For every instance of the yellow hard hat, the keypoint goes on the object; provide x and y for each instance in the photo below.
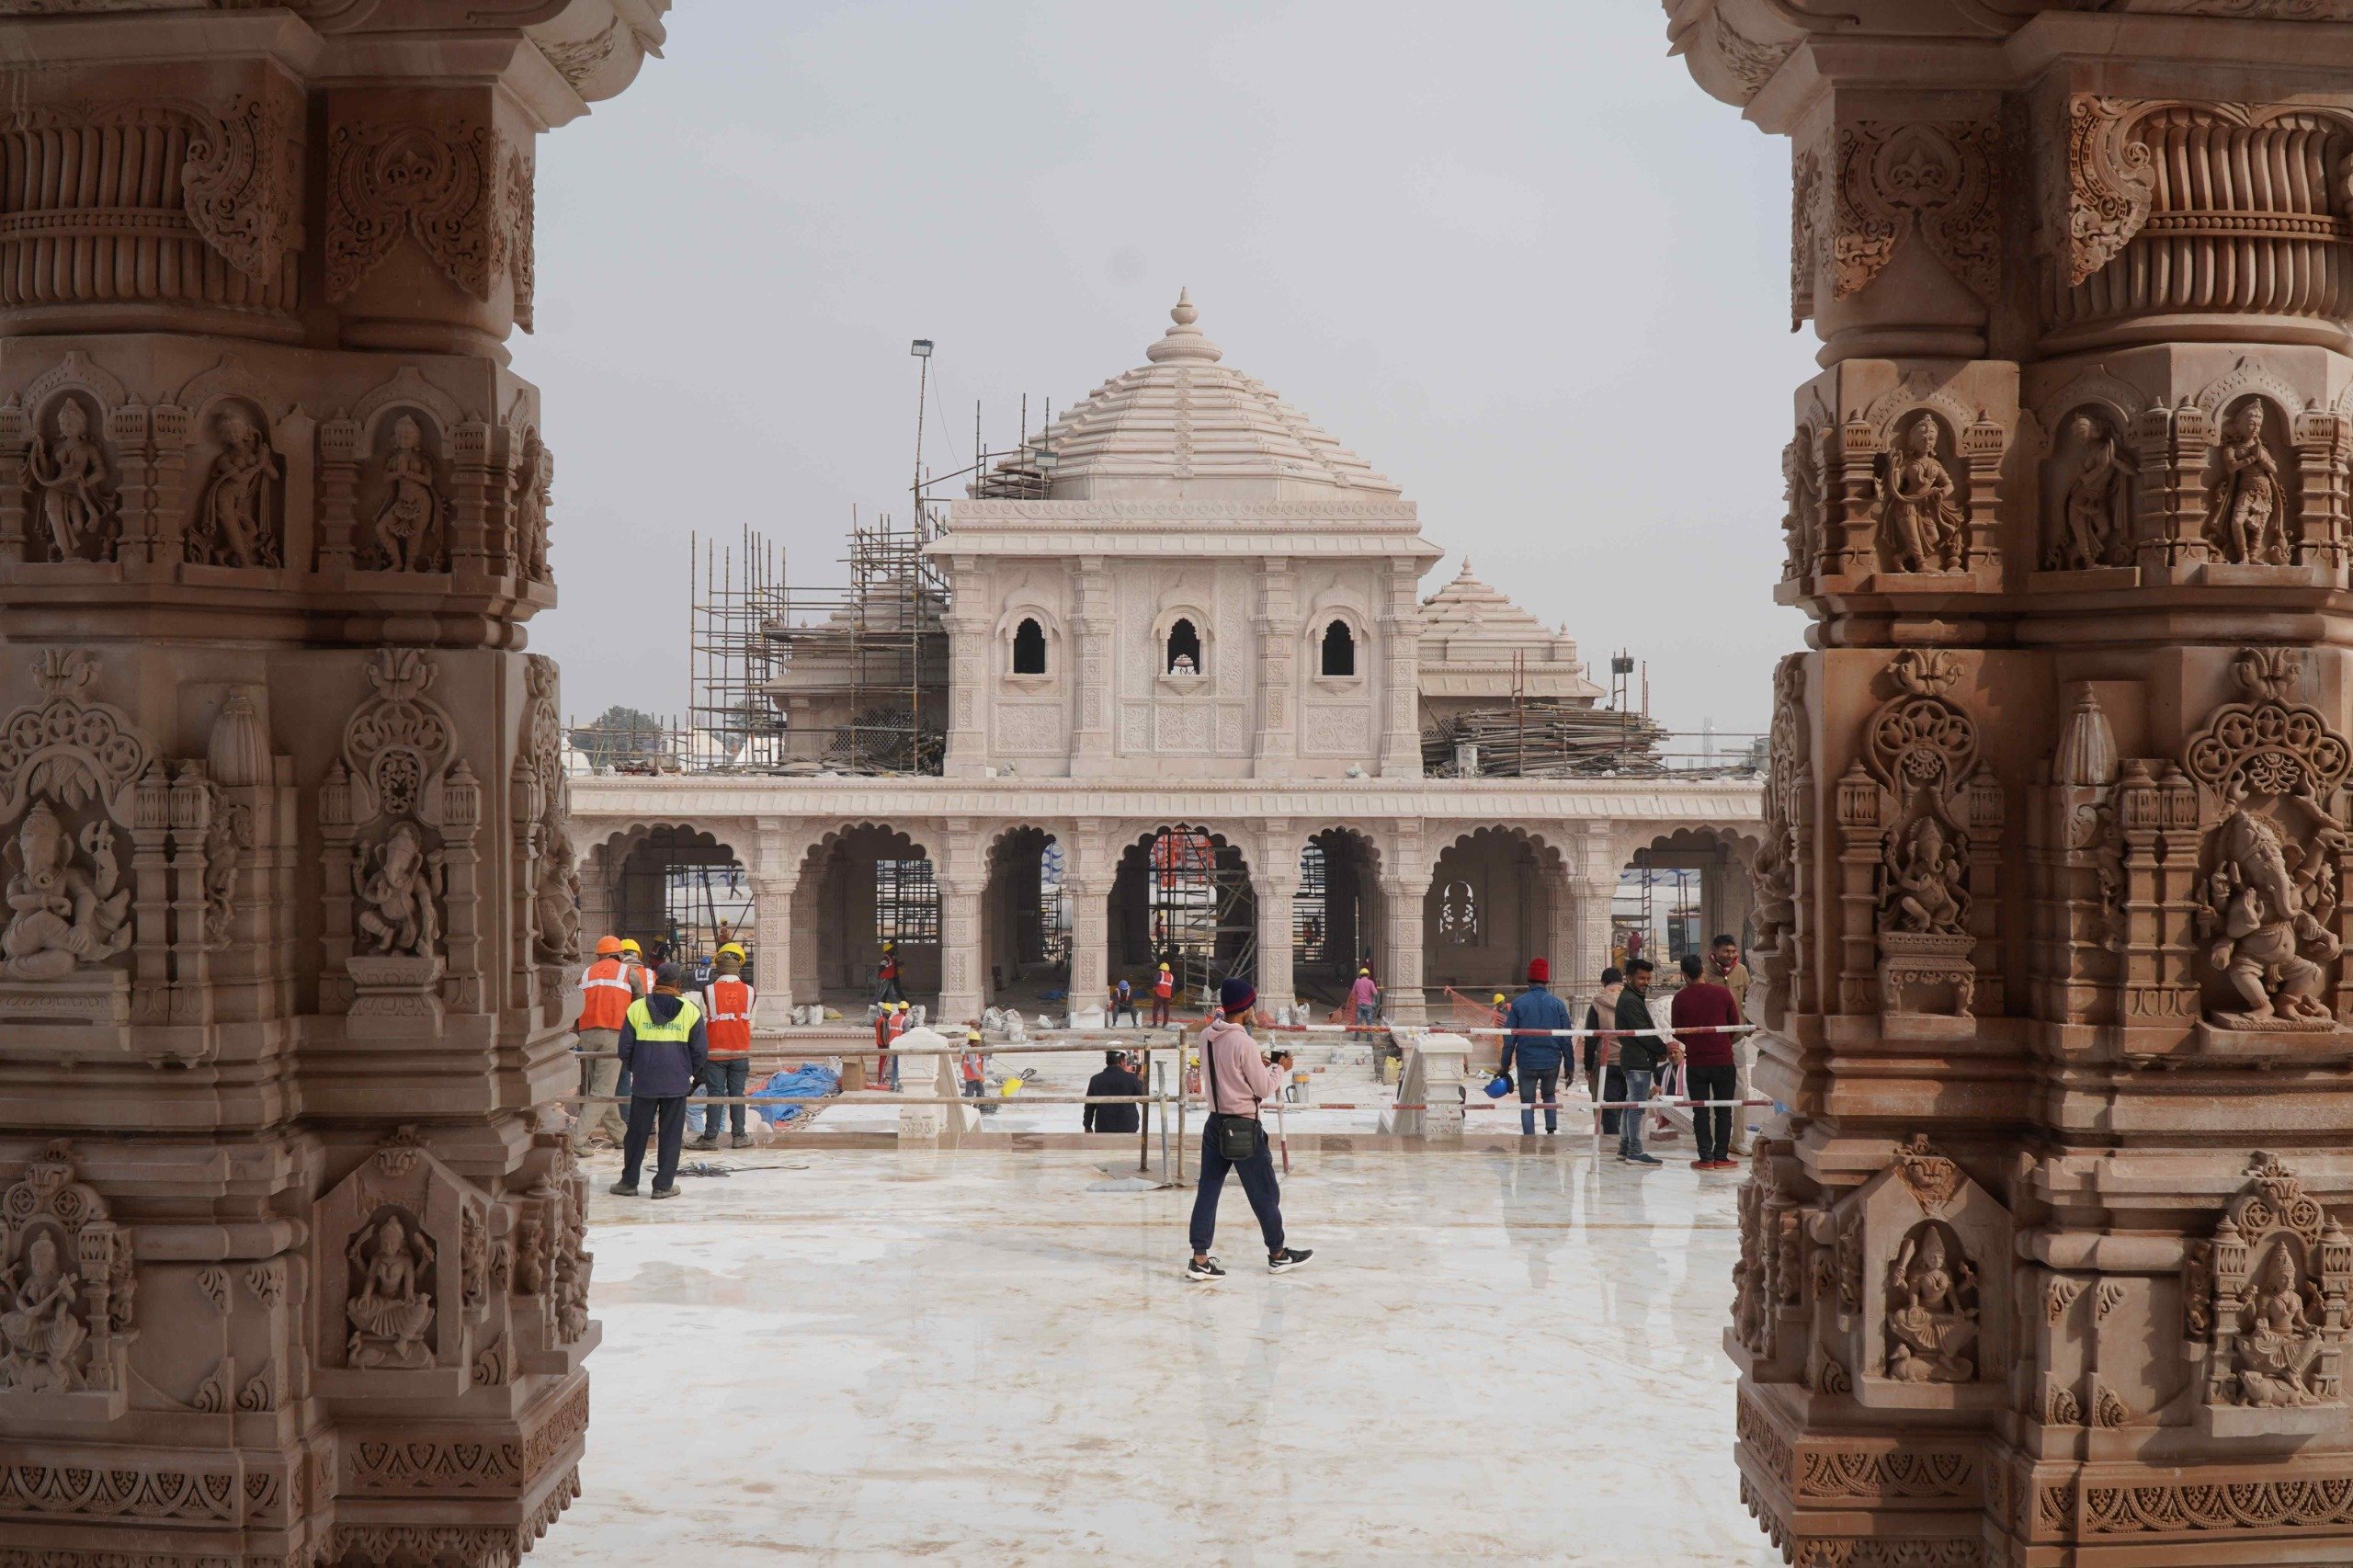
(629, 945)
(1364, 972)
(1163, 969)
(1499, 995)
(732, 950)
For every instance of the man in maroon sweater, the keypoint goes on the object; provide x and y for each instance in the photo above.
(1697, 1016)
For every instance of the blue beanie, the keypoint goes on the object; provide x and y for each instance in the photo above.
(1235, 994)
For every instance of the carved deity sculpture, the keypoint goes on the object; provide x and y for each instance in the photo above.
(1920, 522)
(1924, 892)
(232, 525)
(41, 1338)
(224, 842)
(1932, 1313)
(76, 501)
(396, 885)
(1798, 524)
(2095, 520)
(392, 1309)
(2262, 940)
(2276, 1353)
(2246, 510)
(61, 916)
(404, 522)
(531, 499)
(555, 901)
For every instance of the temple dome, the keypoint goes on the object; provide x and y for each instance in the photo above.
(1470, 633)
(1184, 427)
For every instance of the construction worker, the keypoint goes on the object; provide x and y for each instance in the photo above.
(900, 1020)
(1123, 1000)
(664, 1040)
(641, 983)
(970, 1068)
(726, 1004)
(605, 993)
(1164, 989)
(886, 976)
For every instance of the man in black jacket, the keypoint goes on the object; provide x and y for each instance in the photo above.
(664, 1048)
(1115, 1079)
(1643, 1050)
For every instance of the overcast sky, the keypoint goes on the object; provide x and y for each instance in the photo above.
(1508, 253)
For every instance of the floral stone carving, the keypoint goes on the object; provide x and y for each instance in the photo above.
(65, 1285)
(2265, 1304)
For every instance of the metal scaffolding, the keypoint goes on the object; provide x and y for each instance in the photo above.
(859, 672)
(732, 724)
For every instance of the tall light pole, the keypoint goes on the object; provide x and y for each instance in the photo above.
(921, 349)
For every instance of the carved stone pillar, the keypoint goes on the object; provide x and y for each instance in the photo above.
(1090, 748)
(969, 672)
(963, 878)
(772, 1000)
(295, 786)
(1275, 751)
(2048, 1262)
(1401, 969)
(1274, 894)
(1090, 936)
(1401, 696)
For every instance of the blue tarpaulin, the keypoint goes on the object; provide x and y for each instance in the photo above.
(808, 1080)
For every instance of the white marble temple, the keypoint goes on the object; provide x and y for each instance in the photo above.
(869, 1357)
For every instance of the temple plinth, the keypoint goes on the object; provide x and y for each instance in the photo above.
(2048, 1265)
(292, 1252)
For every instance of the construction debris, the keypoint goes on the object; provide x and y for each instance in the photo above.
(1543, 738)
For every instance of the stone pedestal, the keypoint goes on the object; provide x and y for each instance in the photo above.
(284, 793)
(2048, 1267)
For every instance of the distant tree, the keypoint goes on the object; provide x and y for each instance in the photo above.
(618, 732)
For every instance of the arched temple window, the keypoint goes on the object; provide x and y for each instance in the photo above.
(1184, 656)
(1030, 648)
(1339, 650)
(1458, 913)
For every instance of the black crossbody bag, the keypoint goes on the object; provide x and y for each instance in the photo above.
(1237, 1136)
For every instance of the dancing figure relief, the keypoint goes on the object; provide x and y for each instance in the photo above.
(411, 507)
(2096, 515)
(232, 524)
(2246, 509)
(62, 917)
(41, 1336)
(2261, 937)
(1932, 1311)
(397, 884)
(1922, 525)
(77, 502)
(392, 1310)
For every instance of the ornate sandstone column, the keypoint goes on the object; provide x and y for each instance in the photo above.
(2048, 1265)
(290, 943)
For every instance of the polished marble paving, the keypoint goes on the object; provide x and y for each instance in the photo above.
(869, 1357)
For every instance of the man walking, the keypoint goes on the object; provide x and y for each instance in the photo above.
(664, 1045)
(1237, 1079)
(886, 976)
(727, 1010)
(605, 993)
(1115, 1079)
(1164, 989)
(1700, 1013)
(1640, 1056)
(1364, 1001)
(1530, 1022)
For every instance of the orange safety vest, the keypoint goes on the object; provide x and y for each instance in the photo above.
(606, 991)
(1164, 986)
(728, 1004)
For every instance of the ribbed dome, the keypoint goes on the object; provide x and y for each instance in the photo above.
(1184, 427)
(1470, 632)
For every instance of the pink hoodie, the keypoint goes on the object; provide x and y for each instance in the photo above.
(1237, 1074)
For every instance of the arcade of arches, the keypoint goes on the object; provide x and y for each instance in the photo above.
(986, 909)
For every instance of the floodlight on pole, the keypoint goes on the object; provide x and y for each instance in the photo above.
(920, 348)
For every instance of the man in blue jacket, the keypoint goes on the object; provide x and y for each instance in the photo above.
(1538, 1054)
(664, 1048)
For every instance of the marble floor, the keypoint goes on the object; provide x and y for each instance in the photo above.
(869, 1357)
